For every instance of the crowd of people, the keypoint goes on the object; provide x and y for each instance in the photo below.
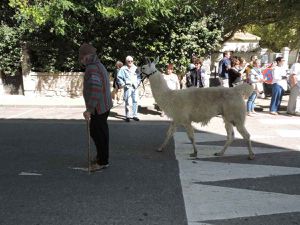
(232, 71)
(126, 79)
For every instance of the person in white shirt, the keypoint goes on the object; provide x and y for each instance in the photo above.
(171, 80)
(278, 85)
(293, 107)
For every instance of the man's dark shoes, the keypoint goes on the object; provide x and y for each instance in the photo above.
(136, 119)
(127, 120)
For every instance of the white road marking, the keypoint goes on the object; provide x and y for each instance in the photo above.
(202, 171)
(79, 168)
(29, 174)
(207, 202)
(20, 114)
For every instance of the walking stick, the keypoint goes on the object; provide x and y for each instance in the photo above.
(89, 145)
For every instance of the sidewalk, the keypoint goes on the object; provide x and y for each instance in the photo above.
(34, 101)
(19, 106)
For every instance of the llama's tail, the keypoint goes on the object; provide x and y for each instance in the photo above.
(244, 89)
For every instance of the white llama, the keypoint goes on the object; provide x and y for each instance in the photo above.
(200, 105)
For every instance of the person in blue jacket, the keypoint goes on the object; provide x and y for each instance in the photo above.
(129, 78)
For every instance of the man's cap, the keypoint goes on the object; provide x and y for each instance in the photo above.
(86, 49)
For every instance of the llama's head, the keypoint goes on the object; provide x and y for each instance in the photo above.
(149, 69)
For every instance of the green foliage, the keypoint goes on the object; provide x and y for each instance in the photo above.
(275, 36)
(10, 50)
(53, 53)
(171, 29)
(159, 28)
(42, 12)
(177, 44)
(236, 14)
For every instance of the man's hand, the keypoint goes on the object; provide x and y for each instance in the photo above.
(87, 115)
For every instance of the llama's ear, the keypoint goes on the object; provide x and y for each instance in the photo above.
(156, 60)
(148, 61)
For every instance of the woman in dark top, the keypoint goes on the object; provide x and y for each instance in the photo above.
(233, 73)
(117, 91)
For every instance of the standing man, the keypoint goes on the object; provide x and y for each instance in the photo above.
(278, 85)
(294, 98)
(224, 66)
(98, 102)
(129, 78)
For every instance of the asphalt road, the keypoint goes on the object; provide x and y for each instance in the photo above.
(41, 181)
(140, 187)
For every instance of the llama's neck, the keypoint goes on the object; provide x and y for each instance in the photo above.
(159, 87)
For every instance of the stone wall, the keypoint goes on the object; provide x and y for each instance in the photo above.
(53, 84)
(64, 85)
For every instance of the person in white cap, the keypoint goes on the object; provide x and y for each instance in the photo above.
(129, 78)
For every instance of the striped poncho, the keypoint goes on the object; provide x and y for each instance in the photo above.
(96, 87)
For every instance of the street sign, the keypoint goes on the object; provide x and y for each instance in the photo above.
(268, 75)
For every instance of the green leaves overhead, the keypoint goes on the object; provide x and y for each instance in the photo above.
(172, 29)
(10, 50)
(39, 13)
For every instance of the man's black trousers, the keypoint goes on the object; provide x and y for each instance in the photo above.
(100, 135)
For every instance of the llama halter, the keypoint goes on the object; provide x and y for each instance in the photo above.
(148, 75)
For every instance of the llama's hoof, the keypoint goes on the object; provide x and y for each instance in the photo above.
(193, 155)
(218, 154)
(159, 150)
(251, 157)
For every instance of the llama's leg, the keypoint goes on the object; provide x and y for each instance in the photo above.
(246, 136)
(190, 132)
(230, 136)
(170, 132)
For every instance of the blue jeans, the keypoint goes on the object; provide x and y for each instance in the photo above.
(131, 93)
(277, 93)
(250, 102)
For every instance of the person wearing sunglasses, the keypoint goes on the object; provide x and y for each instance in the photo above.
(129, 78)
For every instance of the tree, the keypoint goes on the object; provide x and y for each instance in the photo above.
(10, 44)
(10, 49)
(237, 14)
(116, 28)
(55, 29)
(275, 36)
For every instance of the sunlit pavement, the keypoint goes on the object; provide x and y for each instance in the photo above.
(207, 190)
